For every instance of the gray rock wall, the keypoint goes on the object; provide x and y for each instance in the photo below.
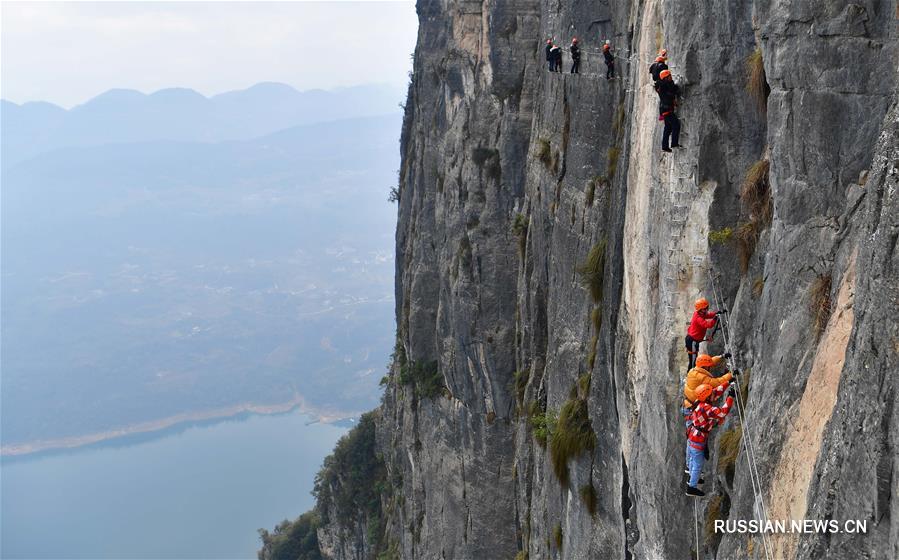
(511, 175)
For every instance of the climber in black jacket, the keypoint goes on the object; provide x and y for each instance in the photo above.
(661, 63)
(549, 56)
(668, 93)
(556, 53)
(575, 57)
(610, 61)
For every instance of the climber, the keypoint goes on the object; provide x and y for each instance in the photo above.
(610, 60)
(575, 56)
(702, 320)
(656, 67)
(668, 92)
(549, 57)
(701, 375)
(703, 418)
(556, 53)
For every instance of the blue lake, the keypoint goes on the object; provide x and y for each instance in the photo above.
(200, 492)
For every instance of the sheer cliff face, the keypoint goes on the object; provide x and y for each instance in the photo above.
(515, 181)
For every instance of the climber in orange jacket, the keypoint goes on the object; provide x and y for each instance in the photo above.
(704, 417)
(702, 320)
(701, 375)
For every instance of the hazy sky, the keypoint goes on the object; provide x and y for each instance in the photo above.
(68, 52)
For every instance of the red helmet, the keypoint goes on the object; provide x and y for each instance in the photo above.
(701, 303)
(606, 47)
(574, 40)
(702, 392)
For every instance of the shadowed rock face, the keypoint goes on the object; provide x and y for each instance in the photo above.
(511, 176)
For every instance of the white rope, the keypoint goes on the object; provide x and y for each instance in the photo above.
(741, 406)
(754, 476)
(696, 525)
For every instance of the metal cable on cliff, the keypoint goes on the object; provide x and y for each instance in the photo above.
(755, 479)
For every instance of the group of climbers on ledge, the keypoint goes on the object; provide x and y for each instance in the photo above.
(554, 57)
(701, 391)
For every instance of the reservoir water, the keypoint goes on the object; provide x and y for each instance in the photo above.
(200, 492)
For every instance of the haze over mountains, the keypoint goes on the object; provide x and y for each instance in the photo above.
(123, 115)
(170, 253)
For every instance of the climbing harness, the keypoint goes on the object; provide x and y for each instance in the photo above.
(759, 505)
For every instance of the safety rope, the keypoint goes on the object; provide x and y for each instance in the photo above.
(754, 477)
(696, 526)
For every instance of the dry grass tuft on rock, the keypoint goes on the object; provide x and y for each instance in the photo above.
(544, 153)
(758, 285)
(755, 192)
(820, 303)
(583, 384)
(728, 450)
(612, 166)
(591, 271)
(747, 239)
(572, 436)
(596, 319)
(756, 82)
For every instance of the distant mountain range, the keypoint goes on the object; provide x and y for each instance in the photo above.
(153, 279)
(171, 254)
(123, 115)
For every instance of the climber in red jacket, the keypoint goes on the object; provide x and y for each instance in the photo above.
(703, 319)
(704, 417)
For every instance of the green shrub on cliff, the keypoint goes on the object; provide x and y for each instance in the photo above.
(352, 477)
(295, 540)
(425, 377)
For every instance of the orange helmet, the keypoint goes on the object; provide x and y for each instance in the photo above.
(660, 58)
(702, 392)
(704, 361)
(665, 74)
(701, 303)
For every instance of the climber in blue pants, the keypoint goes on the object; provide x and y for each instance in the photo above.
(704, 417)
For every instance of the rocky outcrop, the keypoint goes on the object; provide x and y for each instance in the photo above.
(548, 255)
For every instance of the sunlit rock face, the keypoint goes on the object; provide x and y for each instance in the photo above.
(548, 254)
